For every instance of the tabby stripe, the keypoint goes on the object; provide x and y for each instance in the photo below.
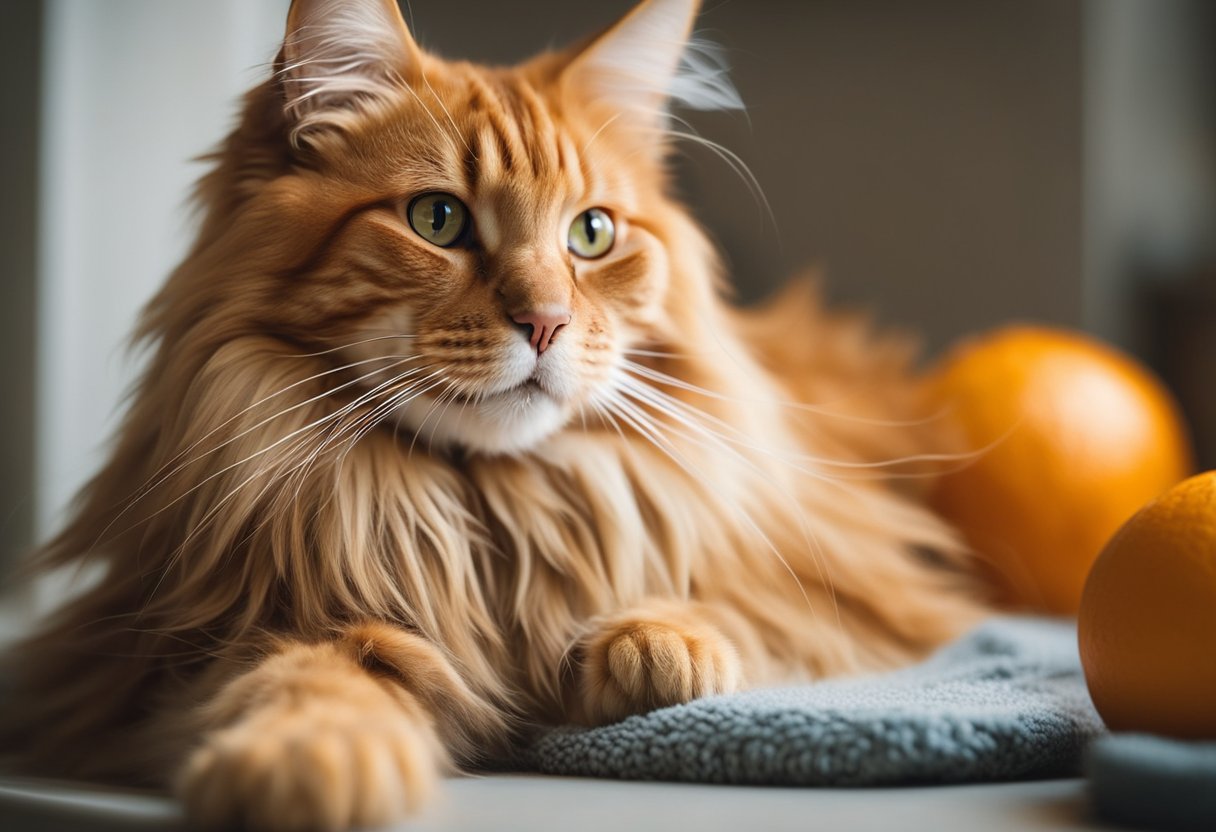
(544, 134)
(500, 127)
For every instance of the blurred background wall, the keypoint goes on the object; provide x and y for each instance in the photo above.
(949, 164)
(20, 96)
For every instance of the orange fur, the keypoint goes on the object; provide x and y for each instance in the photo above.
(316, 597)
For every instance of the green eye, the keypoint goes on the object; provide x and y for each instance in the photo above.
(592, 233)
(438, 218)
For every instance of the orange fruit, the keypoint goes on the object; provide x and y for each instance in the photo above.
(1070, 437)
(1147, 625)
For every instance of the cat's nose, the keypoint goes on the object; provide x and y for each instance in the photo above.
(543, 325)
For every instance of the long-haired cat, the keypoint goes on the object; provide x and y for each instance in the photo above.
(448, 433)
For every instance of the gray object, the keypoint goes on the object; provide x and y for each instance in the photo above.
(1008, 701)
(1153, 782)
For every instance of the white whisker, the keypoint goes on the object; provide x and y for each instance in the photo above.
(156, 480)
(263, 469)
(451, 121)
(322, 420)
(651, 430)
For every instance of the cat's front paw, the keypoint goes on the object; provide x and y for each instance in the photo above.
(634, 665)
(310, 768)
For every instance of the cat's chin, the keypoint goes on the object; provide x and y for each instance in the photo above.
(508, 422)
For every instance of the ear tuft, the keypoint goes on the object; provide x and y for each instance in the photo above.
(702, 80)
(339, 52)
(647, 61)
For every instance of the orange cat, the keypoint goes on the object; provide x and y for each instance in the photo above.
(448, 434)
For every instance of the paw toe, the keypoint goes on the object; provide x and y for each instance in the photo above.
(637, 666)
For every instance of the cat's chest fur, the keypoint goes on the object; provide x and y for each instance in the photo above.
(588, 524)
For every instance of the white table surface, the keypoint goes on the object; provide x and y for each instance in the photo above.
(535, 804)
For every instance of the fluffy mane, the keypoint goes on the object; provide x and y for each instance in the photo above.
(745, 462)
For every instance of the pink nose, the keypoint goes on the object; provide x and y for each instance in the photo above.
(544, 326)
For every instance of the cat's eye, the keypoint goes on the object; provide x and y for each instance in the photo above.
(438, 218)
(592, 233)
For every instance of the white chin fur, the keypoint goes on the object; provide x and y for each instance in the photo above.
(506, 423)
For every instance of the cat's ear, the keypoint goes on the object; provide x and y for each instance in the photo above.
(648, 59)
(339, 51)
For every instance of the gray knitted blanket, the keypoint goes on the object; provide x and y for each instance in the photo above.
(1007, 701)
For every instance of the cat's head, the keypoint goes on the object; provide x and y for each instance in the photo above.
(484, 245)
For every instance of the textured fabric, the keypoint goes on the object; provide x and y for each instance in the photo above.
(1007, 701)
(1154, 782)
